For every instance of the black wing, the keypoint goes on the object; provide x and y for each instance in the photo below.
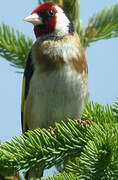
(29, 69)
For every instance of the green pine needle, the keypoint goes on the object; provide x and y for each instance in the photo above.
(115, 108)
(89, 146)
(14, 46)
(103, 25)
(39, 146)
(100, 156)
(60, 176)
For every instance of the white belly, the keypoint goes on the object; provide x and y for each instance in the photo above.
(54, 97)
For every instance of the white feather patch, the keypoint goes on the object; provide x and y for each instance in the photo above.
(62, 21)
(65, 49)
(55, 97)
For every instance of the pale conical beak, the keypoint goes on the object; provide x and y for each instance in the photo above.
(34, 19)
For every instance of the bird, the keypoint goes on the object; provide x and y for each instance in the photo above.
(55, 81)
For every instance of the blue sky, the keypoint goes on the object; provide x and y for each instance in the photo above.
(102, 60)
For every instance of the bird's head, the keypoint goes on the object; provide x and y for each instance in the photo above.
(49, 18)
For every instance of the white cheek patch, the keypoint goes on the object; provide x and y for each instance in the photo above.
(62, 21)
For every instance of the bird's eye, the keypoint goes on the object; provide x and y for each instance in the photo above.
(51, 13)
(46, 14)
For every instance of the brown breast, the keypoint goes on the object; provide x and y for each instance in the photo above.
(48, 54)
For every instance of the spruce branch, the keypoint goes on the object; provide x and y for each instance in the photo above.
(95, 144)
(99, 158)
(62, 176)
(14, 46)
(39, 146)
(103, 25)
(99, 113)
(115, 108)
(100, 155)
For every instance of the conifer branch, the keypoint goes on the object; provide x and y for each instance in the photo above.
(103, 25)
(115, 108)
(99, 157)
(94, 140)
(14, 46)
(99, 114)
(95, 144)
(62, 176)
(40, 146)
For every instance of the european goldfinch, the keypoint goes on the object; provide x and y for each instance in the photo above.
(55, 83)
